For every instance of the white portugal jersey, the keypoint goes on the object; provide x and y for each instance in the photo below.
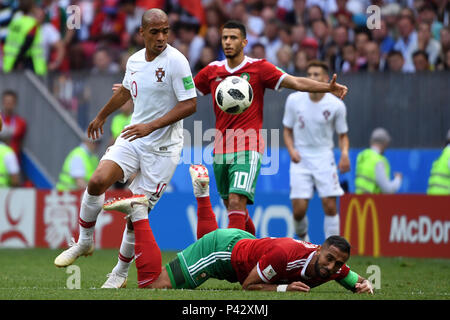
(313, 123)
(156, 87)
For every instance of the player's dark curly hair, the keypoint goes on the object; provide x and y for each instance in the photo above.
(339, 242)
(234, 24)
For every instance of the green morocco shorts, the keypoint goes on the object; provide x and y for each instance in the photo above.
(208, 257)
(237, 173)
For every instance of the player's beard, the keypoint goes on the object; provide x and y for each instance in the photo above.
(317, 269)
(234, 54)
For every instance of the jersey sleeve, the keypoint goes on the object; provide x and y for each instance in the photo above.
(271, 76)
(272, 265)
(201, 81)
(11, 163)
(126, 79)
(182, 81)
(289, 114)
(341, 119)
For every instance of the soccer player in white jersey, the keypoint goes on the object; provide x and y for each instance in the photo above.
(309, 121)
(159, 81)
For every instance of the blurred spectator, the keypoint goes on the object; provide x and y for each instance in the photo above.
(396, 61)
(445, 44)
(335, 49)
(271, 40)
(321, 32)
(133, 15)
(136, 42)
(420, 60)
(285, 35)
(427, 14)
(9, 167)
(78, 166)
(187, 33)
(23, 45)
(349, 55)
(407, 40)
(253, 22)
(298, 34)
(311, 47)
(298, 13)
(300, 62)
(342, 17)
(14, 126)
(212, 40)
(362, 37)
(53, 46)
(384, 40)
(207, 56)
(426, 43)
(374, 60)
(8, 9)
(103, 62)
(284, 57)
(109, 25)
(373, 171)
(314, 13)
(121, 120)
(390, 13)
(439, 181)
(443, 11)
(258, 51)
(445, 63)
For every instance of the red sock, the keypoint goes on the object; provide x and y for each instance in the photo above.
(206, 219)
(236, 219)
(147, 253)
(249, 226)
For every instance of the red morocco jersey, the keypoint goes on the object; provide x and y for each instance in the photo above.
(278, 260)
(242, 132)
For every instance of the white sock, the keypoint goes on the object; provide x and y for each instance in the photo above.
(91, 206)
(139, 213)
(331, 225)
(126, 253)
(301, 228)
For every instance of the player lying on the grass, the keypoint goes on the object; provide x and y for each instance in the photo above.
(271, 264)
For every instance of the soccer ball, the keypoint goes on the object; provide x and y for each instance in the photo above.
(234, 95)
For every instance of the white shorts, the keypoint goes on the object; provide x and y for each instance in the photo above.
(314, 171)
(154, 171)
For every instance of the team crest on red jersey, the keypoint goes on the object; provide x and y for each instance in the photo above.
(160, 74)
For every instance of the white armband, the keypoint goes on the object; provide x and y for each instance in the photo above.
(282, 288)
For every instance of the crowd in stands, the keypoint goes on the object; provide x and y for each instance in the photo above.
(412, 35)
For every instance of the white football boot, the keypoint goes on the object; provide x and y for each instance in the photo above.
(135, 207)
(200, 180)
(67, 257)
(115, 281)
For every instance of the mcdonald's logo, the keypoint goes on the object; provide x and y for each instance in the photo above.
(361, 217)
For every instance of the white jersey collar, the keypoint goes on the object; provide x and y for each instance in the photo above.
(232, 70)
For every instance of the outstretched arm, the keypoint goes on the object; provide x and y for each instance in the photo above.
(254, 282)
(356, 283)
(309, 85)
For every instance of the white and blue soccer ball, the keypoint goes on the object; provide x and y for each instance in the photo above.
(234, 95)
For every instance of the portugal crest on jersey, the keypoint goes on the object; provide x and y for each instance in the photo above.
(160, 74)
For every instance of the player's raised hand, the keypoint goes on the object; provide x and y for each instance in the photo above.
(298, 286)
(364, 287)
(337, 89)
(95, 128)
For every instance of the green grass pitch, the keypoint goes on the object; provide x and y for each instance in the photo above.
(29, 274)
